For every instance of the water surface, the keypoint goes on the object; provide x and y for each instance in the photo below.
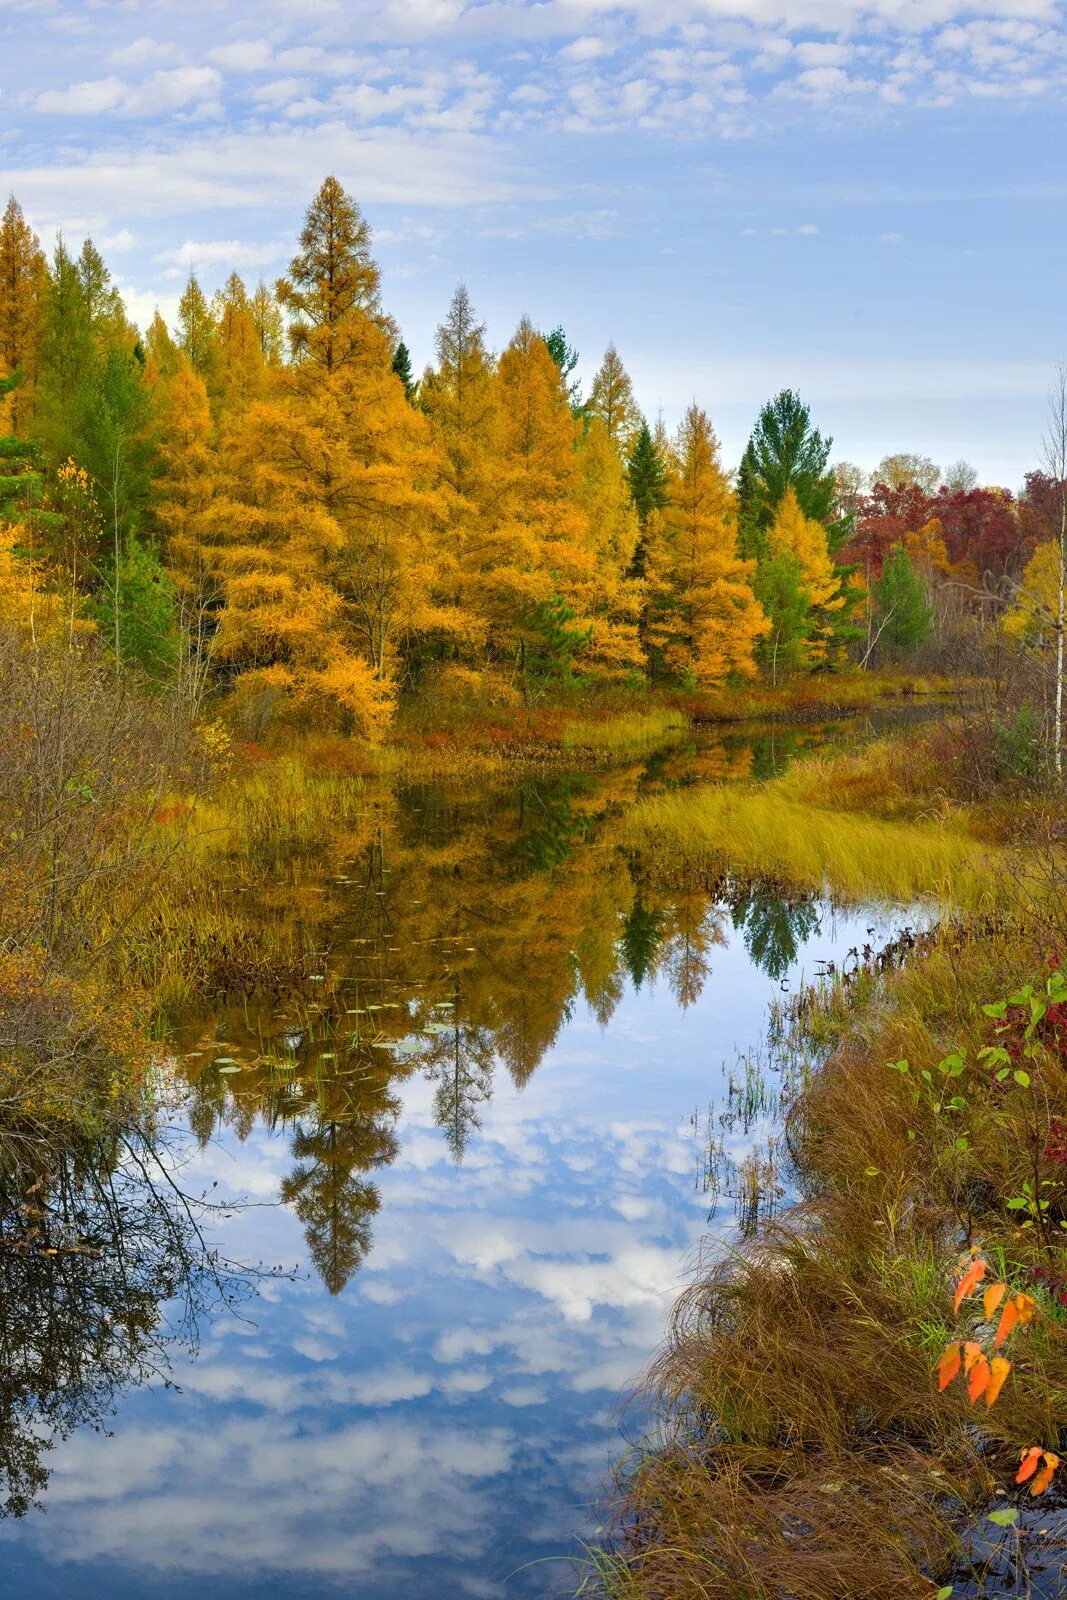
(477, 1143)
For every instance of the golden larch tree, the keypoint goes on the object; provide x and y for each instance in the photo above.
(23, 278)
(612, 400)
(704, 619)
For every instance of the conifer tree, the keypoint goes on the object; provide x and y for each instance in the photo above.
(269, 324)
(402, 368)
(196, 329)
(648, 478)
(458, 397)
(103, 303)
(903, 617)
(332, 525)
(612, 400)
(800, 589)
(23, 276)
(705, 620)
(70, 358)
(238, 364)
(565, 356)
(785, 452)
(614, 597)
(187, 486)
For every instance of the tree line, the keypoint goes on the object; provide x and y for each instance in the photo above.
(266, 501)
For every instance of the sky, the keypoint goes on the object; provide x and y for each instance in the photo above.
(862, 201)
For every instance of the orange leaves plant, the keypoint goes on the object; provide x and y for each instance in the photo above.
(986, 1374)
(1028, 1468)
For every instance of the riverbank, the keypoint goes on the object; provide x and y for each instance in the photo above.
(802, 1445)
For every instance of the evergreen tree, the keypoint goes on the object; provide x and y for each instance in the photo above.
(566, 358)
(786, 452)
(648, 477)
(403, 370)
(903, 616)
(69, 357)
(800, 590)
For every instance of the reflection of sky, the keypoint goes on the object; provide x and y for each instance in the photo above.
(442, 1427)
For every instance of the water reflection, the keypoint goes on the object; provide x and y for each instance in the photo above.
(478, 1119)
(456, 943)
(104, 1274)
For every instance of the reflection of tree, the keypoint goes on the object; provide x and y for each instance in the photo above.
(774, 927)
(334, 1204)
(460, 1063)
(93, 1247)
(641, 939)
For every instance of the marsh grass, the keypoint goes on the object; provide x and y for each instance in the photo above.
(748, 830)
(625, 733)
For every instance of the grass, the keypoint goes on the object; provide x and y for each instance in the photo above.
(624, 733)
(801, 1446)
(759, 830)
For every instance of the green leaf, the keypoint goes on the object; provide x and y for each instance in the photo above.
(946, 1593)
(961, 1143)
(1005, 1518)
(1022, 1078)
(898, 1066)
(1018, 1204)
(872, 1172)
(957, 1103)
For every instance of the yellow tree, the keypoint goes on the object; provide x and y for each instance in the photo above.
(704, 620)
(613, 597)
(270, 328)
(238, 367)
(457, 395)
(612, 400)
(536, 559)
(186, 488)
(332, 522)
(800, 589)
(23, 276)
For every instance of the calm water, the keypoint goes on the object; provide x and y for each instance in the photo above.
(474, 1143)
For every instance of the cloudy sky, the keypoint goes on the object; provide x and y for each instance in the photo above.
(862, 200)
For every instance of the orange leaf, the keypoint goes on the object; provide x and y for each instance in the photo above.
(1008, 1318)
(1045, 1476)
(970, 1281)
(1028, 1463)
(948, 1366)
(998, 1371)
(992, 1298)
(978, 1381)
(972, 1352)
(1025, 1306)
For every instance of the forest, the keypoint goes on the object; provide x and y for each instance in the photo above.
(265, 504)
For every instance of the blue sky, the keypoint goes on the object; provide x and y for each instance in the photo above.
(861, 200)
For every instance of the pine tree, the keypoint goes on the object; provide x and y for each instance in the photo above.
(704, 620)
(612, 400)
(566, 358)
(23, 276)
(903, 617)
(196, 329)
(70, 357)
(402, 368)
(648, 478)
(785, 452)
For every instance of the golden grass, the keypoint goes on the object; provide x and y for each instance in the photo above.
(624, 733)
(760, 830)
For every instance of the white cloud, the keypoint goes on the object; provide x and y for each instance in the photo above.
(587, 48)
(229, 253)
(245, 55)
(164, 91)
